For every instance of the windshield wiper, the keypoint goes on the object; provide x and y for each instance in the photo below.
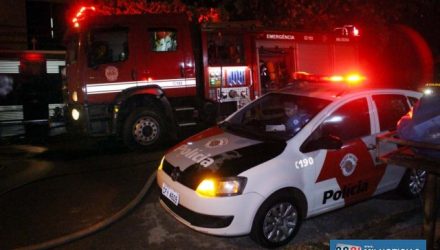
(249, 131)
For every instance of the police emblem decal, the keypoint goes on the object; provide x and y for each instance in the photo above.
(217, 142)
(348, 164)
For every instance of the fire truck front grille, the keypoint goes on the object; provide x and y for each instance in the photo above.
(99, 119)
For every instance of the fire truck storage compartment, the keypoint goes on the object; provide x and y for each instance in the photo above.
(276, 67)
(228, 76)
(314, 58)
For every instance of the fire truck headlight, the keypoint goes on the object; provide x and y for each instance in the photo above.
(75, 114)
(221, 187)
(74, 96)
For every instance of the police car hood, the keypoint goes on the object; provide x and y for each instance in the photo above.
(218, 153)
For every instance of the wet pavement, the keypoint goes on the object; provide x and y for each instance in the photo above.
(57, 188)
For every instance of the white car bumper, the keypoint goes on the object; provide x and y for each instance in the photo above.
(218, 216)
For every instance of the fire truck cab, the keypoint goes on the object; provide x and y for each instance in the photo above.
(131, 75)
(146, 77)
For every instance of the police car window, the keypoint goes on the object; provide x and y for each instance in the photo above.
(277, 115)
(107, 46)
(412, 100)
(163, 40)
(390, 109)
(350, 121)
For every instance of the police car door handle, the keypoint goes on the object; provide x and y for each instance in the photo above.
(371, 147)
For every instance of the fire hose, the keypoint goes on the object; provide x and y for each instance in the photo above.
(98, 226)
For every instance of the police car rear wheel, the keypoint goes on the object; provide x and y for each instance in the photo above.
(413, 182)
(277, 221)
(143, 129)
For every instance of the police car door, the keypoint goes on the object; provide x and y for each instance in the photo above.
(389, 108)
(347, 174)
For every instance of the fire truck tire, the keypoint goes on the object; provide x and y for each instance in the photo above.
(144, 128)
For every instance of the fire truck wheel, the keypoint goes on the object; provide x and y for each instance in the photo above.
(277, 220)
(143, 129)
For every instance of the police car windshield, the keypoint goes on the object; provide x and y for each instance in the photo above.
(276, 116)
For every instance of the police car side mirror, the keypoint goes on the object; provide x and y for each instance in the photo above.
(323, 142)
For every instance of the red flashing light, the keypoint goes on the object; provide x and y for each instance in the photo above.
(33, 57)
(350, 79)
(354, 78)
(335, 78)
(355, 31)
(80, 15)
(347, 30)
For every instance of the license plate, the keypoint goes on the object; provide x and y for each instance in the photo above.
(172, 195)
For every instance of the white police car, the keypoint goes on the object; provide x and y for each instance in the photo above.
(254, 175)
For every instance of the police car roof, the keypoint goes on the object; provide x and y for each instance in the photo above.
(332, 91)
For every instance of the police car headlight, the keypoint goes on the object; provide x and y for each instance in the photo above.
(161, 163)
(221, 187)
(75, 114)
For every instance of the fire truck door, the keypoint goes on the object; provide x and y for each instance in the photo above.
(110, 62)
(162, 60)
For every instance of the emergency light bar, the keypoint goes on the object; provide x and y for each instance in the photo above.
(351, 79)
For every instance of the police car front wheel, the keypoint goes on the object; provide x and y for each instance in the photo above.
(277, 221)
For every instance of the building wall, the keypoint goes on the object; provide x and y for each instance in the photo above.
(13, 33)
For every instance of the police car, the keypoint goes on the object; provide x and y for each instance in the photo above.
(252, 174)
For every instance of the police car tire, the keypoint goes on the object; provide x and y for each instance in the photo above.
(283, 196)
(135, 115)
(405, 184)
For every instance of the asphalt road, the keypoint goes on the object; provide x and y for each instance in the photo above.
(65, 185)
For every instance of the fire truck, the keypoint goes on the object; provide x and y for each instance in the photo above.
(145, 78)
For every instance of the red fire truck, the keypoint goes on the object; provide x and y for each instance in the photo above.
(144, 78)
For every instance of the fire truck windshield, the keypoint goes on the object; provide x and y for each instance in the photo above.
(108, 46)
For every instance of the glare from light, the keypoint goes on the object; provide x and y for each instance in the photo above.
(75, 114)
(355, 31)
(354, 79)
(207, 188)
(336, 78)
(74, 96)
(428, 91)
(335, 119)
